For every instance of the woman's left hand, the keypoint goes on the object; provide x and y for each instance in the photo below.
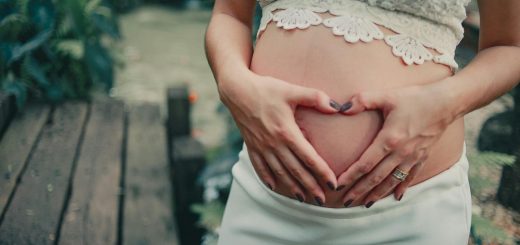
(414, 118)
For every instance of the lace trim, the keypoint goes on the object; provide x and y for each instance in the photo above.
(361, 27)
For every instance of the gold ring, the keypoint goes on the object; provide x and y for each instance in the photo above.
(399, 174)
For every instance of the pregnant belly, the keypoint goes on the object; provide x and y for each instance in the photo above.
(315, 58)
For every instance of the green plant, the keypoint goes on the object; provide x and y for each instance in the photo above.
(56, 50)
(483, 231)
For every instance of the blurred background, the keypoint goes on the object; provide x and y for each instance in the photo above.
(149, 55)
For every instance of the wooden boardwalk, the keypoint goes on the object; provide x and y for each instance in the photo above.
(83, 173)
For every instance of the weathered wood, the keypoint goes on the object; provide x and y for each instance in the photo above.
(15, 147)
(92, 213)
(7, 110)
(33, 215)
(188, 159)
(148, 214)
(178, 112)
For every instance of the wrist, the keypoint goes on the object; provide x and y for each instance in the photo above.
(448, 92)
(233, 82)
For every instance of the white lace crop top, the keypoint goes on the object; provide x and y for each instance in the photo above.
(419, 24)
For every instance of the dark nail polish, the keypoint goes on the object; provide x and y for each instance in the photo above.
(331, 186)
(299, 197)
(347, 203)
(345, 107)
(340, 187)
(270, 187)
(369, 204)
(400, 197)
(334, 104)
(318, 201)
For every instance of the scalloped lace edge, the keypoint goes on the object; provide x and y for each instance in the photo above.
(355, 29)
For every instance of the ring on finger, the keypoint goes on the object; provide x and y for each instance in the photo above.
(399, 174)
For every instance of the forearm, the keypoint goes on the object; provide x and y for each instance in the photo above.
(228, 46)
(492, 73)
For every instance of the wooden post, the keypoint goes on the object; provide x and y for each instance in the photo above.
(187, 159)
(178, 112)
(187, 162)
(7, 111)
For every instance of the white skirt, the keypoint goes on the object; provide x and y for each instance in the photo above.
(436, 211)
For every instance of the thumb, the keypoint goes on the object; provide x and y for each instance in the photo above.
(314, 98)
(364, 101)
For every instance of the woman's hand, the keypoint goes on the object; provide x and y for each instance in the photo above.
(263, 108)
(414, 118)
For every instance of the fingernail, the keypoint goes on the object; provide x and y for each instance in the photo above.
(334, 104)
(400, 197)
(347, 203)
(369, 204)
(345, 106)
(270, 187)
(299, 197)
(318, 201)
(340, 187)
(330, 185)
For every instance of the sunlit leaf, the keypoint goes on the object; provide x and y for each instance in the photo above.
(91, 6)
(71, 47)
(10, 20)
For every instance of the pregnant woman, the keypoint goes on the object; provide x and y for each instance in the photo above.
(343, 103)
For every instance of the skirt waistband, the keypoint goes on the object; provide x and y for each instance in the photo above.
(245, 175)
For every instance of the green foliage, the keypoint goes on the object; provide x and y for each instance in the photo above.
(485, 168)
(56, 50)
(483, 164)
(484, 230)
(210, 214)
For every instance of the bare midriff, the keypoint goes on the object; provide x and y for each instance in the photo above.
(316, 58)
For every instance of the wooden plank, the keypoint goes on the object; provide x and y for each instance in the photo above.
(187, 161)
(15, 147)
(148, 215)
(92, 213)
(33, 215)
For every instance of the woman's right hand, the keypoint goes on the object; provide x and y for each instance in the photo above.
(263, 109)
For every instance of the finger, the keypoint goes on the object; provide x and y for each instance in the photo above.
(388, 185)
(314, 98)
(301, 174)
(365, 101)
(401, 188)
(418, 159)
(374, 178)
(262, 169)
(281, 174)
(375, 152)
(311, 159)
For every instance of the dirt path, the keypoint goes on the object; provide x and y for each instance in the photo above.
(164, 47)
